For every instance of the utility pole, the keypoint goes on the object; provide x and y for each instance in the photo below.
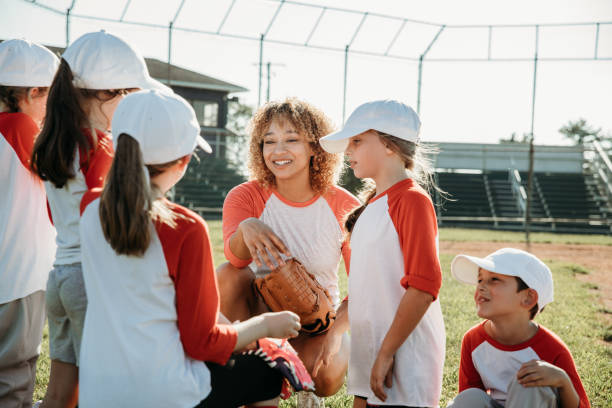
(269, 73)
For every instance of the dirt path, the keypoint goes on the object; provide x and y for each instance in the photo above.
(595, 258)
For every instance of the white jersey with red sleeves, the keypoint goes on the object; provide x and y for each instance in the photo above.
(27, 238)
(490, 365)
(395, 246)
(65, 202)
(151, 321)
(313, 231)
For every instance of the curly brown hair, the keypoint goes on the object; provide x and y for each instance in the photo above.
(309, 121)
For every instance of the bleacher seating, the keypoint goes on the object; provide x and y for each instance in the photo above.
(554, 195)
(205, 185)
(476, 199)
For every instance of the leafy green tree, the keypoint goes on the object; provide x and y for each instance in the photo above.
(349, 181)
(238, 117)
(580, 132)
(514, 138)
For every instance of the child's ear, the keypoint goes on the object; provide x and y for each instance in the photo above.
(530, 298)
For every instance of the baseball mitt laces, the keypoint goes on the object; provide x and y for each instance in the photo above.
(279, 355)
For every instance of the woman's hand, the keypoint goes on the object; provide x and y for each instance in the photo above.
(282, 325)
(261, 242)
(382, 375)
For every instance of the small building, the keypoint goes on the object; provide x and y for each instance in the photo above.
(209, 97)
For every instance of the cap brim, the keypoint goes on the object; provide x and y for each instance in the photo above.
(337, 142)
(464, 268)
(203, 144)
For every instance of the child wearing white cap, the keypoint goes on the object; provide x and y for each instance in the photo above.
(397, 330)
(27, 238)
(72, 155)
(508, 359)
(152, 335)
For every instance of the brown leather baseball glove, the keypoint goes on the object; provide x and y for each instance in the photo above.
(292, 287)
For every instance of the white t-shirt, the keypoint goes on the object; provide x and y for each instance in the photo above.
(394, 246)
(313, 231)
(27, 238)
(151, 321)
(65, 202)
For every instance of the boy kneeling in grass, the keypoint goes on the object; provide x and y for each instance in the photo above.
(508, 360)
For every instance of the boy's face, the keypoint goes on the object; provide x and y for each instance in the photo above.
(496, 296)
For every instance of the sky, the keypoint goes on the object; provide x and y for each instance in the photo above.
(477, 102)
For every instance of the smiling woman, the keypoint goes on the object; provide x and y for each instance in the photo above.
(290, 208)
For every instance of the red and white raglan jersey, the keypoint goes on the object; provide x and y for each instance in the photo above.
(65, 202)
(313, 231)
(151, 321)
(490, 365)
(27, 238)
(395, 246)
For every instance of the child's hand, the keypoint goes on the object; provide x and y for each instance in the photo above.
(537, 373)
(382, 375)
(282, 325)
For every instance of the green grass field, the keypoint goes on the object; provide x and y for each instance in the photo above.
(575, 316)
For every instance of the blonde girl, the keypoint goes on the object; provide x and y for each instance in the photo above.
(72, 155)
(152, 335)
(27, 237)
(397, 331)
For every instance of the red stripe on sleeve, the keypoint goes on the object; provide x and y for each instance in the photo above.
(552, 349)
(414, 218)
(188, 253)
(88, 197)
(468, 375)
(20, 131)
(96, 168)
(243, 201)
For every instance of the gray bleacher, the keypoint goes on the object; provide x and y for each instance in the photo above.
(484, 185)
(205, 185)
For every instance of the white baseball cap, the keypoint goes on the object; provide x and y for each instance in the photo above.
(511, 262)
(100, 60)
(387, 116)
(24, 63)
(164, 125)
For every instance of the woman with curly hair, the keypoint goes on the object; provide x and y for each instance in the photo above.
(291, 207)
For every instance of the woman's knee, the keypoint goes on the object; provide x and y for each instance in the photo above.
(331, 376)
(234, 281)
(328, 383)
(235, 290)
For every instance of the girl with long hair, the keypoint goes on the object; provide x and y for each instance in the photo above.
(153, 335)
(72, 155)
(397, 330)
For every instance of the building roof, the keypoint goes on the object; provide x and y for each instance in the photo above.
(183, 77)
(172, 75)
